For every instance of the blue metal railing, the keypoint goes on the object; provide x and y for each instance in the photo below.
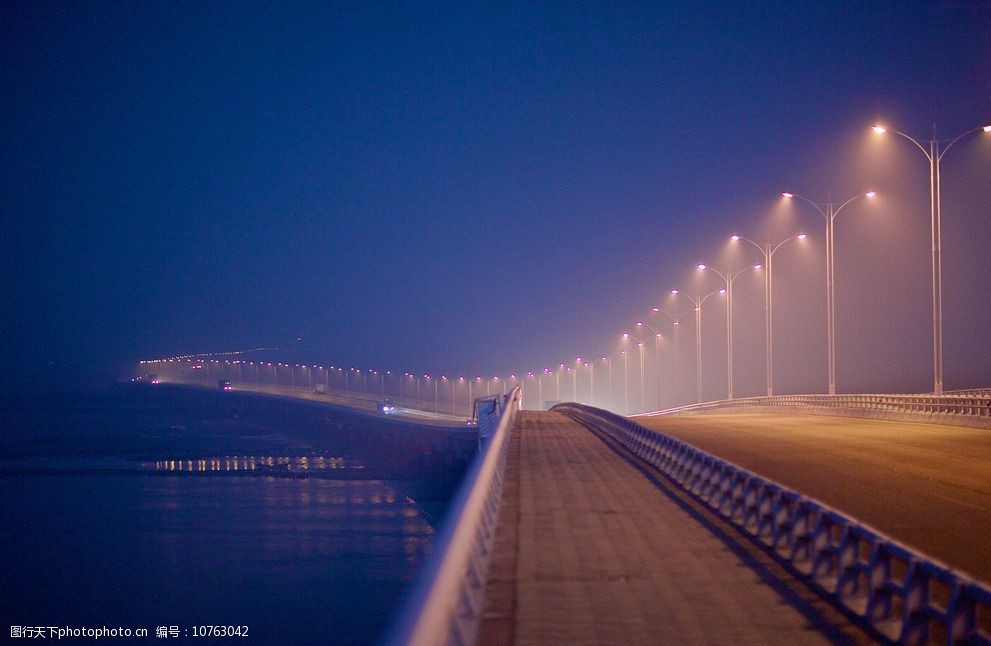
(898, 592)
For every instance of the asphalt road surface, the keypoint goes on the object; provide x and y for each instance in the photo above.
(926, 485)
(593, 548)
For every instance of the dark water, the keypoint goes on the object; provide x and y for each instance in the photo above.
(167, 507)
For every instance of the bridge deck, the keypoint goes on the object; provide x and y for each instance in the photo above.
(593, 547)
(924, 484)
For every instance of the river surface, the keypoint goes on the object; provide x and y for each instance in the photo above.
(175, 508)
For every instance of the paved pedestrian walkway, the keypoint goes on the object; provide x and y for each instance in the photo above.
(592, 547)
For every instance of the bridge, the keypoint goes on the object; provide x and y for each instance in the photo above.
(814, 519)
(581, 526)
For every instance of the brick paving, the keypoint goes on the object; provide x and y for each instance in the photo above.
(593, 547)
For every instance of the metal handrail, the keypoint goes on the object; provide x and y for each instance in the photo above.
(964, 407)
(446, 603)
(894, 590)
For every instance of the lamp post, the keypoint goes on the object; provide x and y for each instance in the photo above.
(640, 342)
(444, 378)
(829, 212)
(728, 278)
(676, 324)
(608, 362)
(935, 155)
(657, 356)
(471, 400)
(626, 382)
(768, 250)
(417, 379)
(427, 379)
(697, 302)
(591, 382)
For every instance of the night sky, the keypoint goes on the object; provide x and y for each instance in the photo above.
(480, 188)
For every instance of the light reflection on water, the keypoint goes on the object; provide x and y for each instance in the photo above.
(296, 464)
(157, 507)
(300, 560)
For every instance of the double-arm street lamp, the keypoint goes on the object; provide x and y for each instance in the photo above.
(728, 278)
(768, 250)
(697, 302)
(935, 155)
(829, 212)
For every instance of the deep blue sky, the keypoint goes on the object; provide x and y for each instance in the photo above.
(473, 188)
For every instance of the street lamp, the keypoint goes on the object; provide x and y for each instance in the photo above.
(657, 356)
(697, 302)
(477, 379)
(935, 155)
(444, 378)
(608, 362)
(428, 379)
(829, 213)
(574, 380)
(676, 324)
(627, 335)
(591, 382)
(768, 250)
(626, 382)
(728, 278)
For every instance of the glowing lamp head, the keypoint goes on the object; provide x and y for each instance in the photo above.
(674, 291)
(655, 309)
(626, 335)
(722, 291)
(870, 193)
(639, 323)
(758, 266)
(879, 129)
(787, 194)
(987, 128)
(802, 236)
(734, 238)
(702, 266)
